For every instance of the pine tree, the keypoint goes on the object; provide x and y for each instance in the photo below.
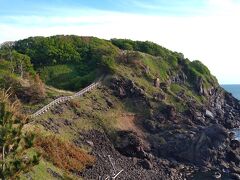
(13, 142)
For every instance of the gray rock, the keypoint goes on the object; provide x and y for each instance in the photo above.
(235, 144)
(235, 176)
(54, 174)
(157, 82)
(209, 114)
(109, 102)
(90, 143)
(146, 164)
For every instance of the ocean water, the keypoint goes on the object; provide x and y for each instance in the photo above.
(237, 134)
(235, 90)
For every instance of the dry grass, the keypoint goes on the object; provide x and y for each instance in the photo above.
(129, 122)
(75, 104)
(64, 154)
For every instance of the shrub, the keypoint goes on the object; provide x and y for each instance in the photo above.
(64, 154)
(142, 46)
(199, 67)
(36, 91)
(13, 142)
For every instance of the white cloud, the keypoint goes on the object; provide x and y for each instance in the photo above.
(212, 38)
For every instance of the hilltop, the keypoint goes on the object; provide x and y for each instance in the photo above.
(156, 113)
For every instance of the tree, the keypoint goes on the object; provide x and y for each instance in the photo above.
(13, 142)
(20, 64)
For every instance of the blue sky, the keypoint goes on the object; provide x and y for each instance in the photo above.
(206, 30)
(160, 7)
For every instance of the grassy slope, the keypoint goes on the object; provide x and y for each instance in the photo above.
(67, 76)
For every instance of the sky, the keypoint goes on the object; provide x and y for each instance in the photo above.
(205, 30)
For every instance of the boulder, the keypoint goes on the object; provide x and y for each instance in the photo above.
(209, 114)
(159, 97)
(129, 144)
(200, 87)
(157, 82)
(234, 144)
(146, 164)
(235, 176)
(121, 92)
(109, 102)
(164, 86)
(170, 111)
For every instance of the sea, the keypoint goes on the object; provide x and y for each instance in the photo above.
(235, 90)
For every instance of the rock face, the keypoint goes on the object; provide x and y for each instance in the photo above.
(204, 147)
(126, 88)
(199, 136)
(179, 78)
(200, 87)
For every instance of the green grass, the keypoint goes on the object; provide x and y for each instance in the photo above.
(188, 91)
(68, 76)
(197, 69)
(175, 88)
(158, 66)
(40, 171)
(139, 78)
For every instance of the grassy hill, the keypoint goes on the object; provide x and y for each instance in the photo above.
(149, 99)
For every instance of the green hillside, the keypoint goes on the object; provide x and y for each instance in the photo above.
(152, 105)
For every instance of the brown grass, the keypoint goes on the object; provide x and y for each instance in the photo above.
(64, 154)
(75, 104)
(128, 121)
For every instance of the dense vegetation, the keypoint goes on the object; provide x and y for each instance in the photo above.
(69, 62)
(72, 62)
(146, 47)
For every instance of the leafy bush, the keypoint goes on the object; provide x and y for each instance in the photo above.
(199, 67)
(63, 61)
(173, 61)
(9, 80)
(65, 50)
(146, 47)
